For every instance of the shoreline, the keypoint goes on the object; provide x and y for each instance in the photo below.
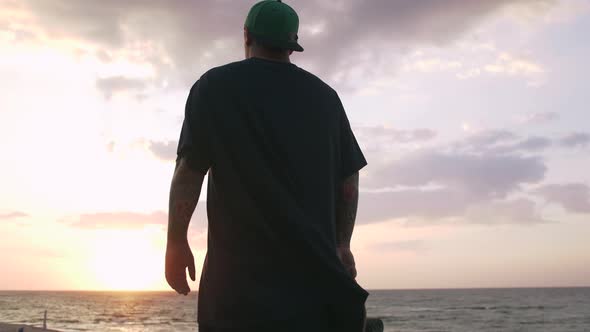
(9, 327)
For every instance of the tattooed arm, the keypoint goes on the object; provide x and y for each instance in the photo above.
(184, 195)
(346, 208)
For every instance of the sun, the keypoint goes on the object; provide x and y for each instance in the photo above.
(127, 260)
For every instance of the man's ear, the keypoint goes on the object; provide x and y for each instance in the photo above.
(247, 37)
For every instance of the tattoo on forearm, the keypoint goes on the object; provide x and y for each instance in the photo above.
(346, 208)
(184, 195)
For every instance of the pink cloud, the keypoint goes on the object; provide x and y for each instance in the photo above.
(119, 220)
(12, 215)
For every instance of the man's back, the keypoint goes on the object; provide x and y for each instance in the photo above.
(277, 144)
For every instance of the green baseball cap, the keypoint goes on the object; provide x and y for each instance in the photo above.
(275, 24)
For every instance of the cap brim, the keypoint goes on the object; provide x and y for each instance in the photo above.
(296, 47)
(288, 45)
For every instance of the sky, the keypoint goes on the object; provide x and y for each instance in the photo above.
(473, 116)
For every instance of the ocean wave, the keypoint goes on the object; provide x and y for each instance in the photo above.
(507, 307)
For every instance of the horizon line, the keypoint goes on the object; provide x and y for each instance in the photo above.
(368, 289)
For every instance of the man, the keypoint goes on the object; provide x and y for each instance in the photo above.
(282, 191)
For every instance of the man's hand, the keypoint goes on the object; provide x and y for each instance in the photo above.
(184, 195)
(178, 258)
(347, 259)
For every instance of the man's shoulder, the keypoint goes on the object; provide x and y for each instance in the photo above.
(221, 72)
(215, 75)
(234, 70)
(226, 69)
(318, 82)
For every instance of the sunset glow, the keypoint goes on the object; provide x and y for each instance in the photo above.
(473, 117)
(127, 260)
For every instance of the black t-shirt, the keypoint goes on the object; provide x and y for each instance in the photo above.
(277, 144)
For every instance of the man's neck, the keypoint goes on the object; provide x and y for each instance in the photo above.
(262, 54)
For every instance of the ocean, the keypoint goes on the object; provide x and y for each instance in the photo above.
(456, 310)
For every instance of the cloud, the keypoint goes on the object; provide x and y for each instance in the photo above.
(165, 151)
(573, 197)
(510, 65)
(575, 140)
(422, 134)
(530, 144)
(487, 175)
(133, 220)
(502, 142)
(396, 135)
(12, 215)
(413, 204)
(110, 86)
(414, 246)
(382, 138)
(190, 38)
(34, 252)
(485, 139)
(539, 118)
(418, 207)
(430, 65)
(471, 180)
(535, 143)
(395, 28)
(121, 220)
(103, 56)
(504, 64)
(507, 142)
(518, 211)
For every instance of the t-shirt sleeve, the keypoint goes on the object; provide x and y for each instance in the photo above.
(193, 144)
(351, 156)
